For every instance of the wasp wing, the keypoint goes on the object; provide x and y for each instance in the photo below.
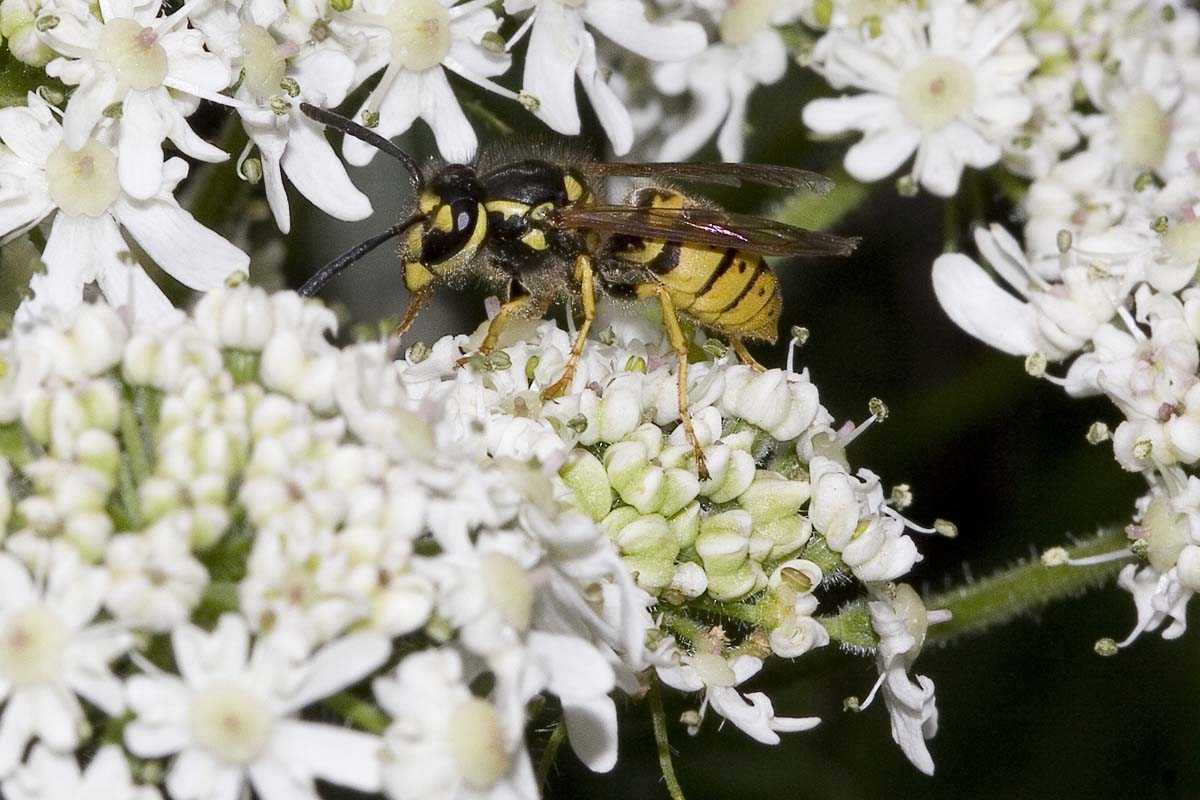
(705, 226)
(716, 172)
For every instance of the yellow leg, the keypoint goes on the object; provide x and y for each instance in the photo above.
(498, 324)
(744, 354)
(416, 301)
(583, 273)
(680, 345)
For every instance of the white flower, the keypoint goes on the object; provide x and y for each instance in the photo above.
(751, 53)
(47, 775)
(1053, 318)
(129, 55)
(289, 143)
(446, 742)
(946, 85)
(561, 47)
(155, 582)
(419, 41)
(231, 716)
(41, 174)
(52, 650)
(718, 677)
(900, 619)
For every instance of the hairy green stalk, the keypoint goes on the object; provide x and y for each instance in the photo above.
(1025, 588)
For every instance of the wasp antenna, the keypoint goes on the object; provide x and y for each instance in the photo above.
(352, 128)
(346, 259)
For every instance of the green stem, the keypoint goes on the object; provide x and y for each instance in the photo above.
(739, 611)
(950, 239)
(852, 627)
(1024, 588)
(131, 433)
(659, 717)
(547, 760)
(358, 712)
(818, 213)
(681, 625)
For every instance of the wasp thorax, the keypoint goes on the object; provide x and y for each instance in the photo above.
(742, 19)
(420, 33)
(936, 92)
(262, 61)
(83, 182)
(133, 52)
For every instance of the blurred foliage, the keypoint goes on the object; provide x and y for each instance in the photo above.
(1027, 709)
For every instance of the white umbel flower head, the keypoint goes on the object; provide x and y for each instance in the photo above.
(129, 58)
(561, 47)
(40, 174)
(418, 43)
(52, 651)
(230, 719)
(945, 84)
(46, 775)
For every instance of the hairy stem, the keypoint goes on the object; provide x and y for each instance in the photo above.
(546, 762)
(659, 717)
(1024, 588)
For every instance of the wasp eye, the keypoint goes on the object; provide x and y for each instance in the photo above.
(451, 230)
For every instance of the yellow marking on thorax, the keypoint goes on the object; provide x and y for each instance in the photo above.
(574, 188)
(507, 208)
(534, 238)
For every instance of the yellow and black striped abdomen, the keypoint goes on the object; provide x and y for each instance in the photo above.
(726, 289)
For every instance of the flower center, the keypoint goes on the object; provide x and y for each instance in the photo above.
(32, 646)
(1165, 533)
(1144, 130)
(1182, 241)
(230, 723)
(262, 61)
(83, 182)
(477, 742)
(573, 3)
(936, 91)
(508, 588)
(744, 18)
(420, 33)
(133, 52)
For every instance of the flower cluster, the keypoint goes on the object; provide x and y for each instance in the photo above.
(220, 529)
(1105, 282)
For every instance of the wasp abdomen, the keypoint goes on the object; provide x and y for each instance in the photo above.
(725, 289)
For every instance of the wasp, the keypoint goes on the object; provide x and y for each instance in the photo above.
(538, 231)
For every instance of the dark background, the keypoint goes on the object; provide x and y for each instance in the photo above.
(1027, 710)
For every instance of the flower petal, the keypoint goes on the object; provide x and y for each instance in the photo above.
(972, 299)
(139, 148)
(339, 664)
(188, 251)
(592, 730)
(609, 108)
(456, 139)
(555, 47)
(345, 757)
(86, 107)
(624, 21)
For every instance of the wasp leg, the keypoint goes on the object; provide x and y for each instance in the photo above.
(680, 345)
(583, 273)
(416, 302)
(744, 355)
(498, 324)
